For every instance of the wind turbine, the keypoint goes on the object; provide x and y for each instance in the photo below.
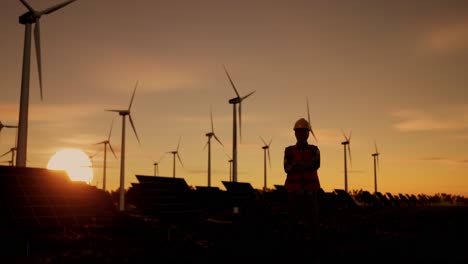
(376, 165)
(346, 145)
(308, 119)
(12, 151)
(230, 166)
(32, 16)
(208, 143)
(175, 153)
(125, 113)
(106, 143)
(266, 151)
(155, 164)
(6, 126)
(235, 101)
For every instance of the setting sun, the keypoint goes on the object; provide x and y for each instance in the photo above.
(75, 162)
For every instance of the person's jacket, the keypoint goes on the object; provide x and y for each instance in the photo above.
(301, 163)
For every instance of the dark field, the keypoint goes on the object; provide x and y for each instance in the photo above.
(390, 235)
(64, 222)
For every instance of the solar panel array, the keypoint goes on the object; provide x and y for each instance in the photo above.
(40, 199)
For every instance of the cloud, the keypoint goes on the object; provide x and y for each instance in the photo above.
(437, 119)
(62, 112)
(449, 38)
(444, 160)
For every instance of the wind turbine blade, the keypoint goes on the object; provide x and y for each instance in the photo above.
(27, 5)
(217, 139)
(312, 132)
(211, 118)
(375, 145)
(269, 159)
(230, 80)
(377, 161)
(133, 126)
(180, 160)
(178, 144)
(308, 111)
(242, 98)
(269, 143)
(349, 138)
(133, 95)
(160, 158)
(344, 135)
(4, 154)
(113, 110)
(206, 144)
(112, 150)
(349, 153)
(53, 8)
(263, 141)
(110, 130)
(37, 40)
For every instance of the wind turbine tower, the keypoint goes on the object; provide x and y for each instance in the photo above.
(124, 113)
(106, 143)
(208, 143)
(376, 165)
(266, 152)
(346, 146)
(156, 170)
(235, 101)
(32, 16)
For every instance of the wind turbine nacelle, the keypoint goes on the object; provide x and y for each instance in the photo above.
(27, 18)
(235, 100)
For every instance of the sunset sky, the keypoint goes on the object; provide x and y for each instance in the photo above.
(394, 73)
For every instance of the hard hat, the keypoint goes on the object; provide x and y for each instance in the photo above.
(302, 124)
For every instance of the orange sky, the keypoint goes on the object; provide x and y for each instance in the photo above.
(392, 72)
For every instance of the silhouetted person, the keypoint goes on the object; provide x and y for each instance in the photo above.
(301, 162)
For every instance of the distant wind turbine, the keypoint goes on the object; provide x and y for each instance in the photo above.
(125, 113)
(6, 126)
(230, 166)
(156, 166)
(175, 153)
(12, 151)
(346, 145)
(208, 143)
(234, 101)
(266, 152)
(308, 119)
(106, 143)
(376, 165)
(31, 17)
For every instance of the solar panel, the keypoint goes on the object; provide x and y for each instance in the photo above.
(163, 197)
(37, 198)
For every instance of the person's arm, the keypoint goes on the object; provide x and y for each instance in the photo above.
(288, 161)
(292, 165)
(313, 163)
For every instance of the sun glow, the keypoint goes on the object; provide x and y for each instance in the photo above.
(75, 162)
